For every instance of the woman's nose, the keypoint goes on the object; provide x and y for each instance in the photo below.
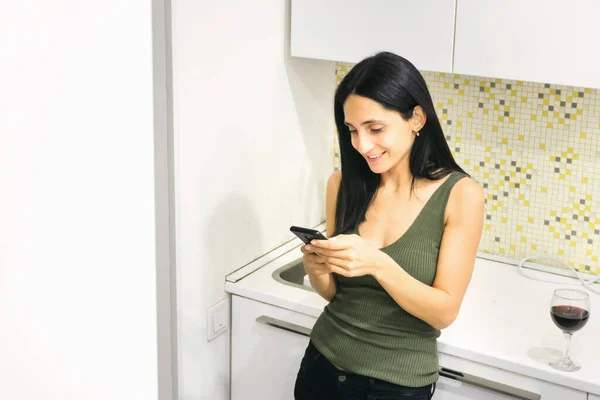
(363, 144)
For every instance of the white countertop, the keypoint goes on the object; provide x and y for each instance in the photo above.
(504, 321)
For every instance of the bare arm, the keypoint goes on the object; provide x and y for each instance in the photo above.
(321, 279)
(438, 305)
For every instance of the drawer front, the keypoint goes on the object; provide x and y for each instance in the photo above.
(486, 382)
(267, 345)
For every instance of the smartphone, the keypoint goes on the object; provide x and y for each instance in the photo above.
(306, 234)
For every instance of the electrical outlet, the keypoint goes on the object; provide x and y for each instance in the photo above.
(217, 319)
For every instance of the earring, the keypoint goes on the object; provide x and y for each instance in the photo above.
(418, 129)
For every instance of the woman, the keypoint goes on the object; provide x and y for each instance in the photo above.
(404, 222)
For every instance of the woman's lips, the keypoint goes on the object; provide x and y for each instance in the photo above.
(374, 158)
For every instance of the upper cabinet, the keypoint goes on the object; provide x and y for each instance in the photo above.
(350, 30)
(550, 41)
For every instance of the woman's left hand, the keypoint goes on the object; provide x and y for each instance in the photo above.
(349, 255)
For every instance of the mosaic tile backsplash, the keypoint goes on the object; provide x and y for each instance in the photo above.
(535, 148)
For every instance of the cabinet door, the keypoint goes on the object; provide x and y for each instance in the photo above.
(593, 397)
(549, 41)
(448, 389)
(462, 379)
(267, 345)
(349, 30)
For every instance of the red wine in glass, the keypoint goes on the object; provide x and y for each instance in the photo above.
(569, 318)
(570, 310)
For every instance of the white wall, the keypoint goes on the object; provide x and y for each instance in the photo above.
(253, 137)
(78, 283)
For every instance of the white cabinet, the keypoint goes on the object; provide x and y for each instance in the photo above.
(349, 30)
(481, 382)
(550, 41)
(593, 397)
(448, 389)
(267, 345)
(265, 358)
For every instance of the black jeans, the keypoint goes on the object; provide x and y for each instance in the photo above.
(318, 379)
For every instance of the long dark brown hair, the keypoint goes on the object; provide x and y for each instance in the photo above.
(394, 83)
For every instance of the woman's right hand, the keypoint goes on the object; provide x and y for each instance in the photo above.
(314, 264)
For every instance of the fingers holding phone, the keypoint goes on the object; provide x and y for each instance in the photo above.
(314, 264)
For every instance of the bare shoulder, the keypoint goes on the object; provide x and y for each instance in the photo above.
(334, 181)
(466, 197)
(468, 187)
(333, 187)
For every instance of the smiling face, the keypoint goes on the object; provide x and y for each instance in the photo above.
(383, 137)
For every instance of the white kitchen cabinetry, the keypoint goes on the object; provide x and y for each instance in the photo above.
(550, 41)
(265, 350)
(268, 344)
(593, 397)
(470, 380)
(350, 30)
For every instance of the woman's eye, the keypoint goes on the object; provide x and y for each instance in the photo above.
(352, 131)
(376, 130)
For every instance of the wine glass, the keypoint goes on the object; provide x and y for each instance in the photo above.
(570, 311)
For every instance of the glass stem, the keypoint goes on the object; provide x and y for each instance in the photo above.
(568, 344)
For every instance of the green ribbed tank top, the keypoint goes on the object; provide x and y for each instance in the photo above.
(364, 331)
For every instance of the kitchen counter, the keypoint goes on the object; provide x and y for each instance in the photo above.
(504, 321)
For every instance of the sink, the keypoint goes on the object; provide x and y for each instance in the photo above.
(292, 274)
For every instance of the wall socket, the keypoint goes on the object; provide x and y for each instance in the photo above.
(217, 319)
